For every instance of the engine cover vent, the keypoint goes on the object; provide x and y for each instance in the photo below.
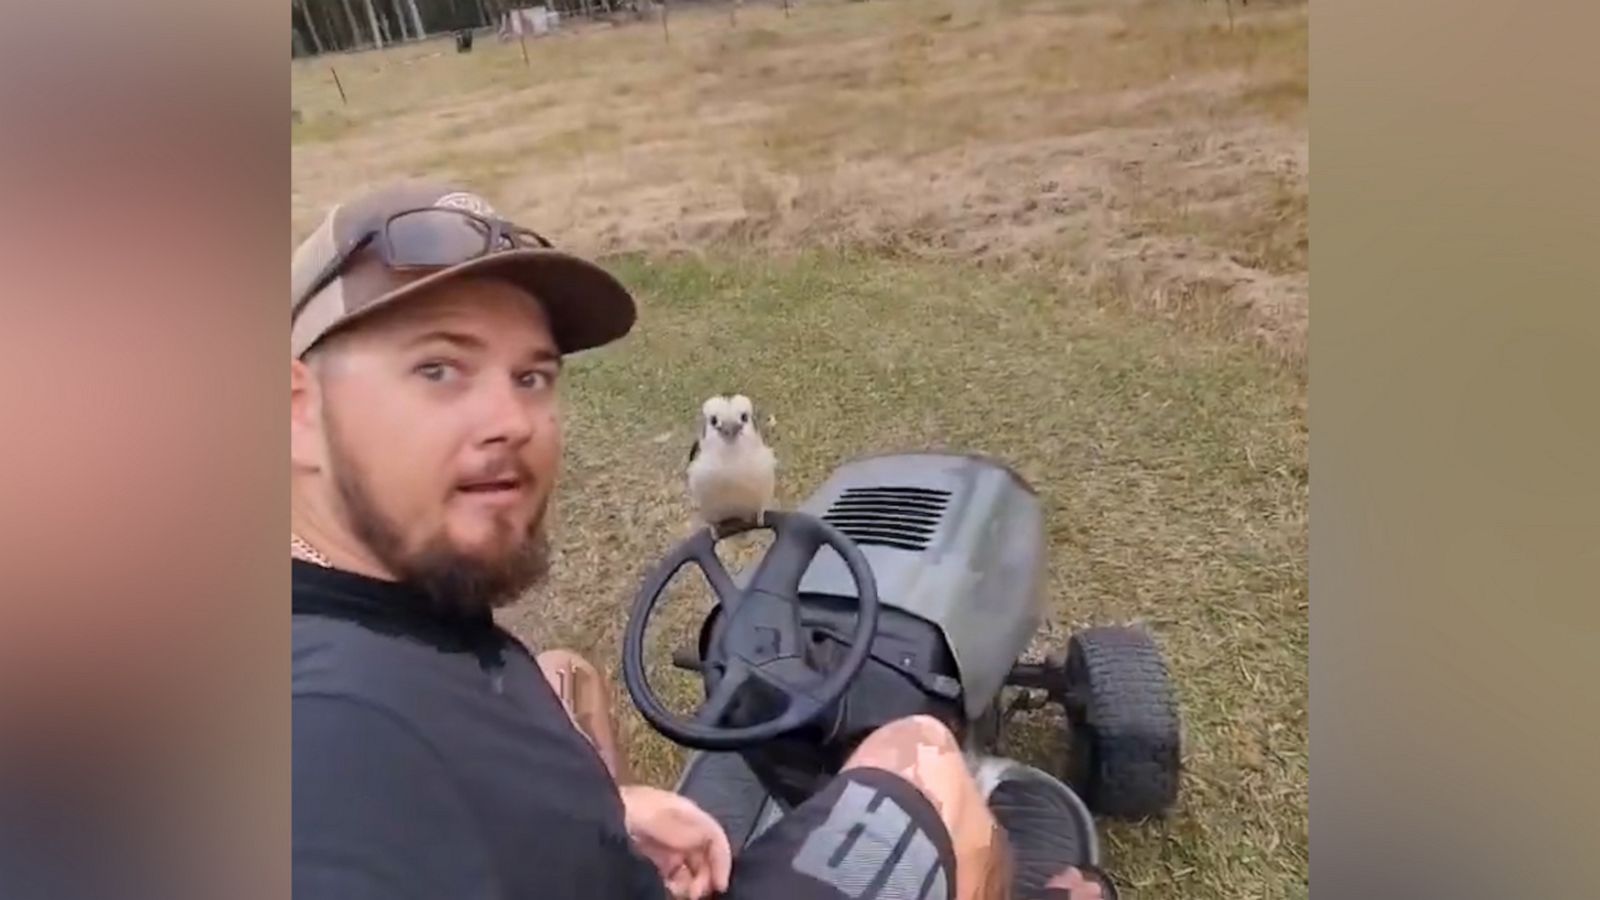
(902, 517)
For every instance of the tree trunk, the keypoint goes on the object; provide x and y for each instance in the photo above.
(311, 26)
(416, 19)
(372, 20)
(398, 7)
(355, 30)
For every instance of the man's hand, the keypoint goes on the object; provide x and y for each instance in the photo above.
(688, 847)
(1075, 885)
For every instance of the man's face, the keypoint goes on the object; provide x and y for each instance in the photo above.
(441, 437)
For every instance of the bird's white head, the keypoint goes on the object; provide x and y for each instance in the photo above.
(727, 418)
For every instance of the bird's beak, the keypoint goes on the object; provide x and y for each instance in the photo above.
(730, 430)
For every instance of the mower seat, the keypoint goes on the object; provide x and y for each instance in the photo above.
(723, 785)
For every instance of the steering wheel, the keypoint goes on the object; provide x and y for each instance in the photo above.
(759, 637)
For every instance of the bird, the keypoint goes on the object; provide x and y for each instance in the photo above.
(732, 472)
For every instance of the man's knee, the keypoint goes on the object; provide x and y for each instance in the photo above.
(585, 695)
(563, 661)
(907, 745)
(922, 750)
(574, 679)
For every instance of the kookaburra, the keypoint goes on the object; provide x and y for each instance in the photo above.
(732, 471)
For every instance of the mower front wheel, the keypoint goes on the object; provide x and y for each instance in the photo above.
(1124, 758)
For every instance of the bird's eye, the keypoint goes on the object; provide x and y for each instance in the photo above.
(713, 421)
(744, 417)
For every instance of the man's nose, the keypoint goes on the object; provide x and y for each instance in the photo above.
(509, 415)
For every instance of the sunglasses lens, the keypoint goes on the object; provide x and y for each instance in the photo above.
(436, 237)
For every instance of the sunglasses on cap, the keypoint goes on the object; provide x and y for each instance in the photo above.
(429, 237)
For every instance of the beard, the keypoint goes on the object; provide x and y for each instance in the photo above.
(454, 582)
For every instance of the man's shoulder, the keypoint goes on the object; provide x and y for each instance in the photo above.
(337, 657)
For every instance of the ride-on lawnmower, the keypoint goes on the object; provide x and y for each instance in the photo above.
(909, 584)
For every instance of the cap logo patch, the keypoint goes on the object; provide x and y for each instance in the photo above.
(462, 200)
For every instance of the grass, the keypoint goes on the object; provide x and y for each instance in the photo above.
(1071, 234)
(1078, 139)
(1173, 468)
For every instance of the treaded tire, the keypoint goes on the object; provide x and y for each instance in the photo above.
(1125, 755)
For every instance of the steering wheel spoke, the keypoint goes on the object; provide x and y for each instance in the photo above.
(794, 546)
(733, 679)
(705, 556)
(791, 677)
(779, 677)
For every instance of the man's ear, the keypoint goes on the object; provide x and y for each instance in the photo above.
(305, 417)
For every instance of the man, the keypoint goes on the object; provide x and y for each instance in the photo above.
(433, 755)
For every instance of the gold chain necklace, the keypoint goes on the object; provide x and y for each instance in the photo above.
(299, 549)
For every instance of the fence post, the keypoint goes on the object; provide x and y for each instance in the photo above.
(343, 100)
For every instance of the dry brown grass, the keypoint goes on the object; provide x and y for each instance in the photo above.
(1071, 234)
(1142, 152)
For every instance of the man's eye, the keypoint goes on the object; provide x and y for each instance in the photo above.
(536, 380)
(435, 371)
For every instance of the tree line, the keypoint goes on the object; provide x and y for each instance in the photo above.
(331, 26)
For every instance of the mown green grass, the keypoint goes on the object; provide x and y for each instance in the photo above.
(1173, 468)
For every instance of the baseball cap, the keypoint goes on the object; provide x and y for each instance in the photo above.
(585, 304)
